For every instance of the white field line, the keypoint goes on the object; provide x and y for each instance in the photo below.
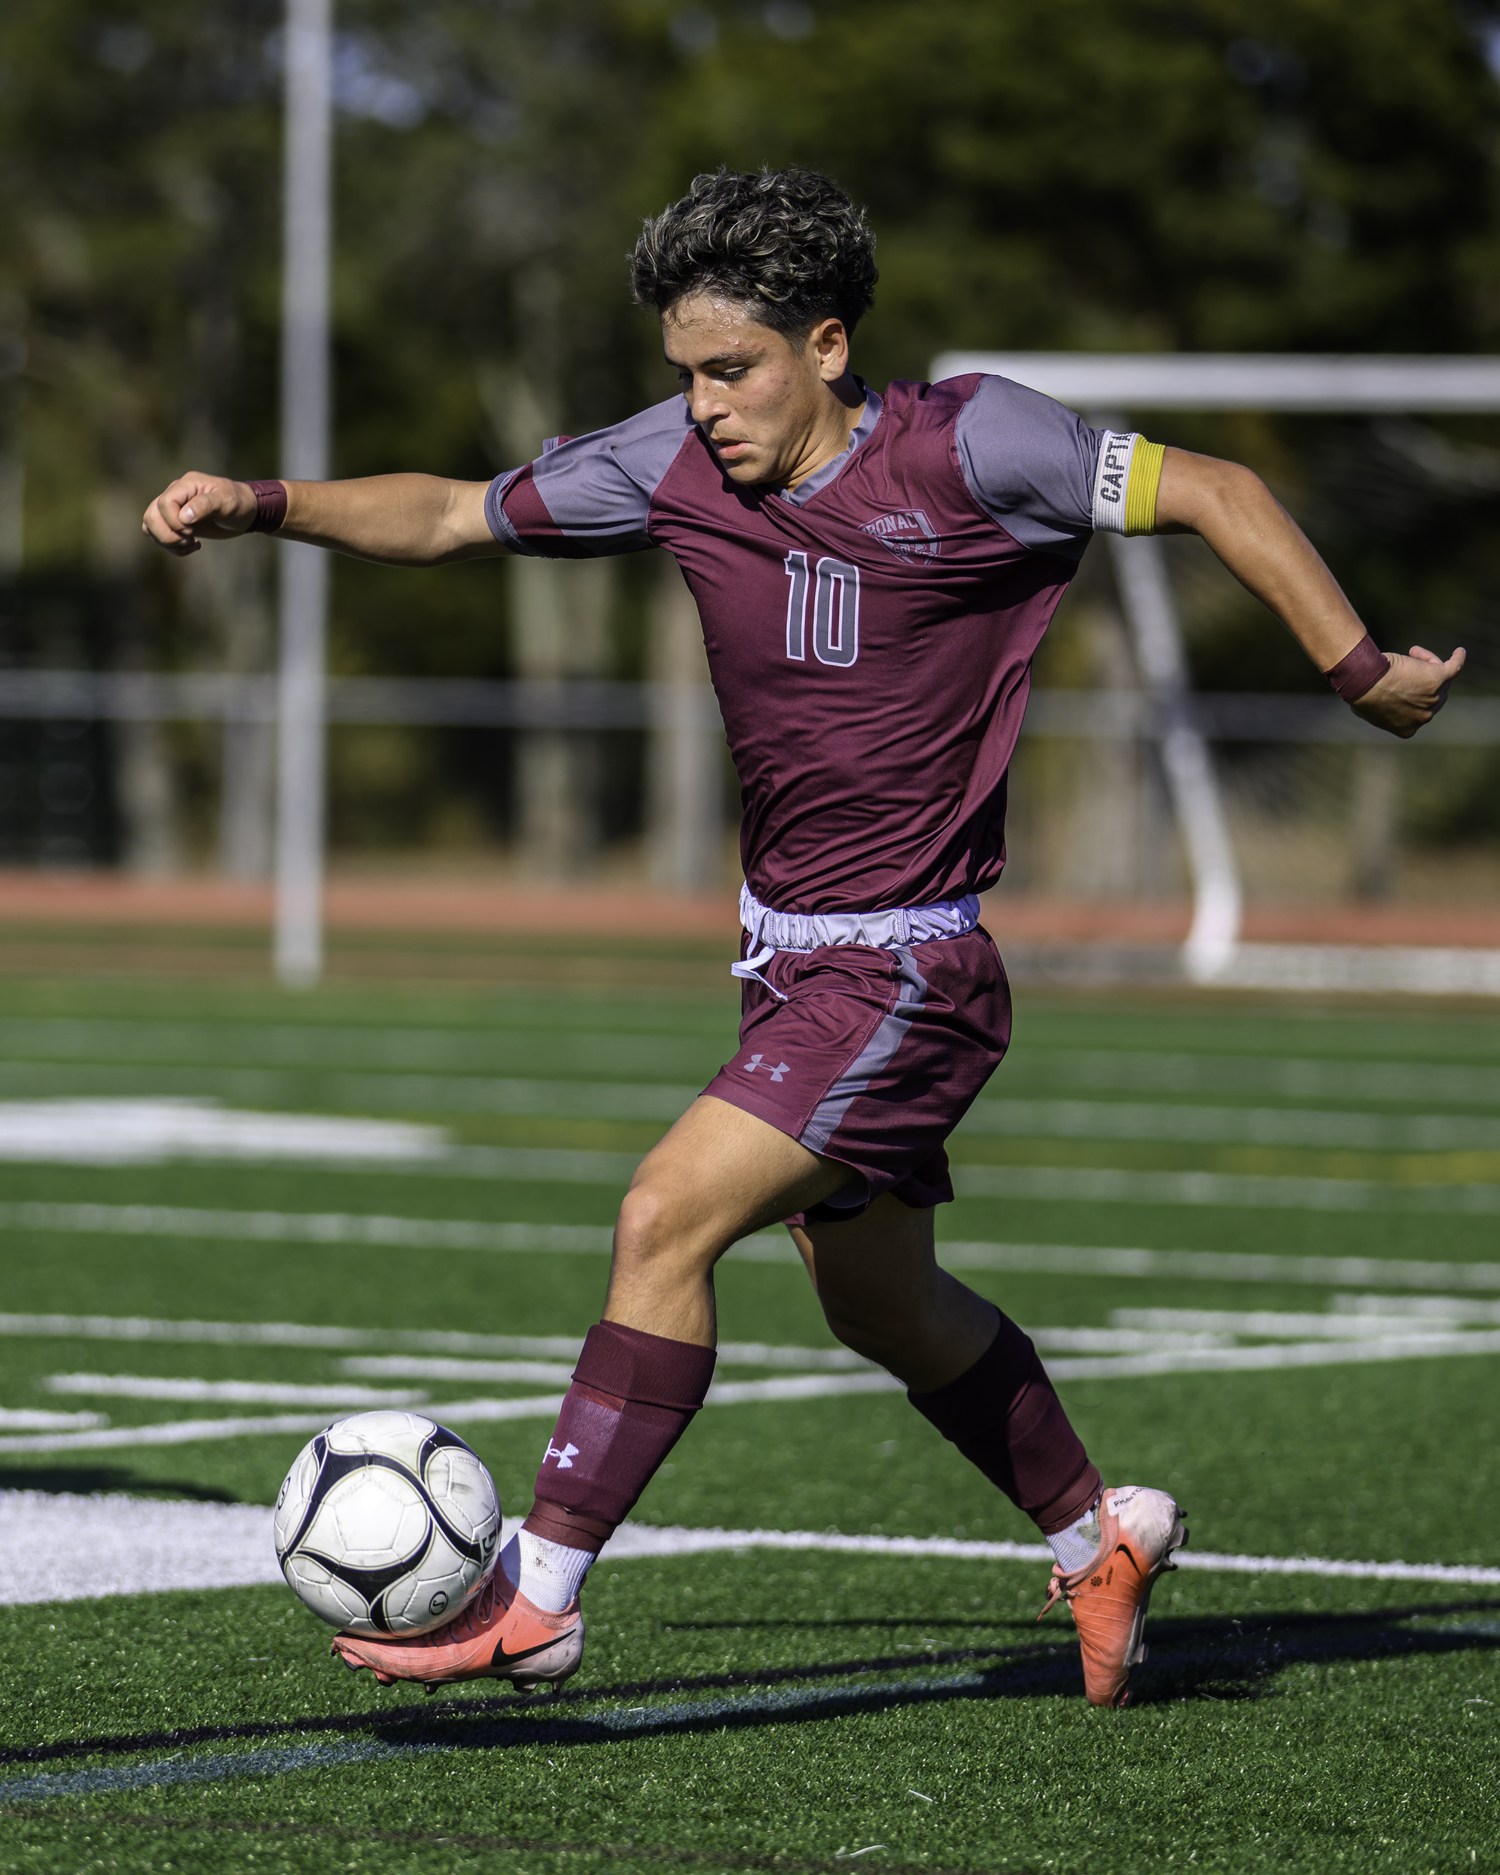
(182, 1087)
(146, 1131)
(1391, 1083)
(26, 1419)
(1092, 1186)
(1238, 1126)
(567, 1347)
(280, 1335)
(1283, 1354)
(345, 1046)
(316, 1227)
(66, 1548)
(230, 1392)
(261, 1087)
(1445, 1309)
(437, 1367)
(1279, 1324)
(1402, 969)
(451, 1412)
(296, 1335)
(668, 1540)
(1221, 1266)
(350, 1047)
(340, 1227)
(1172, 1360)
(268, 1425)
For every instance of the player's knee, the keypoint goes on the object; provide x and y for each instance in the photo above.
(861, 1329)
(651, 1232)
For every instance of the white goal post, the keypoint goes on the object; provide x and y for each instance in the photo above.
(1103, 384)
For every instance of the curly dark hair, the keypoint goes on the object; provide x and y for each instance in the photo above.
(787, 243)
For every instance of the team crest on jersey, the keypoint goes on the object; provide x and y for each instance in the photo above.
(909, 534)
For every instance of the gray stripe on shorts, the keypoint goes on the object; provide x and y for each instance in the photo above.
(877, 1053)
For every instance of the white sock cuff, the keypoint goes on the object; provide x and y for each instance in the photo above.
(550, 1574)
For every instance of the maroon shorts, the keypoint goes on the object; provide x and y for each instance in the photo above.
(873, 1059)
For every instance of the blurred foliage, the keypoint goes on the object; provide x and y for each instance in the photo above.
(1205, 174)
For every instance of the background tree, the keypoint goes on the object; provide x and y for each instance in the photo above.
(1293, 174)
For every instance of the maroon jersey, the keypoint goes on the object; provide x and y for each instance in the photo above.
(869, 633)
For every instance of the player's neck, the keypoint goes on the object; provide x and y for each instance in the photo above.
(833, 429)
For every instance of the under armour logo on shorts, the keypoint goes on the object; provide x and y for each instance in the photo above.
(778, 1073)
(564, 1458)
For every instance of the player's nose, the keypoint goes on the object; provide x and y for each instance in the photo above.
(705, 401)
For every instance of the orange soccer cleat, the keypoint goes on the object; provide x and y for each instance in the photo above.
(499, 1636)
(1138, 1531)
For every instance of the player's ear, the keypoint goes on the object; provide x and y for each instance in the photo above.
(829, 343)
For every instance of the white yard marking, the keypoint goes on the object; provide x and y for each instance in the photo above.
(1275, 1324)
(316, 1227)
(1419, 1308)
(1093, 1186)
(436, 1367)
(64, 1548)
(801, 1387)
(24, 1419)
(104, 1088)
(157, 1131)
(229, 1392)
(1171, 1355)
(1409, 1347)
(1390, 1083)
(147, 1132)
(1236, 1126)
(350, 1046)
(341, 1227)
(1221, 1266)
(269, 1425)
(449, 1412)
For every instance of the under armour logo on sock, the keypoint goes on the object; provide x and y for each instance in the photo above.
(778, 1073)
(564, 1458)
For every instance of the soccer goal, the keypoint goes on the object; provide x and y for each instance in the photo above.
(1105, 385)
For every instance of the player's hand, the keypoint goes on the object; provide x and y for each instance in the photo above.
(1412, 691)
(196, 508)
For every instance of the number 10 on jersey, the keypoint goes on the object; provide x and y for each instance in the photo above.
(835, 610)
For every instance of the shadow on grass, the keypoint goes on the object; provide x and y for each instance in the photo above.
(1229, 1659)
(968, 1624)
(85, 1480)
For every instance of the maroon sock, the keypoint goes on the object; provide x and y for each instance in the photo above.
(630, 1402)
(1005, 1417)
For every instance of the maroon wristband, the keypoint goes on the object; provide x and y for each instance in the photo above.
(270, 507)
(1360, 671)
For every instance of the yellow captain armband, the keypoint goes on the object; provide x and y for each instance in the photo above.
(1125, 483)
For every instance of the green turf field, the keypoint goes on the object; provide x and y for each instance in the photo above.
(763, 1707)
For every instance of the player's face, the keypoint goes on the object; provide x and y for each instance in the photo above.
(762, 401)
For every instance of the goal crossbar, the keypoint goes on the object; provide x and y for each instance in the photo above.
(1320, 383)
(1106, 383)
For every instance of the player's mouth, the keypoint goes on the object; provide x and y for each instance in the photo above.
(730, 450)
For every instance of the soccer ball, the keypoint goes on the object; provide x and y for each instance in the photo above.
(386, 1524)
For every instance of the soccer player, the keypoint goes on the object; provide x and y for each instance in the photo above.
(874, 575)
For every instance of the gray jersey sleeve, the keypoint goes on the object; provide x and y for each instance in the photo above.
(585, 496)
(1035, 467)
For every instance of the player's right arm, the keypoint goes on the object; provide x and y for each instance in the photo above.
(400, 520)
(1232, 509)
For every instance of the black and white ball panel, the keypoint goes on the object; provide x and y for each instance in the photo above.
(386, 1524)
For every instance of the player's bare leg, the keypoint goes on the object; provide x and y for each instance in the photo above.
(883, 1295)
(718, 1175)
(974, 1374)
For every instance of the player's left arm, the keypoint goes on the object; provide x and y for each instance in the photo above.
(1231, 508)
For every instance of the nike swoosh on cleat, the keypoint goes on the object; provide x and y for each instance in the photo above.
(526, 1652)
